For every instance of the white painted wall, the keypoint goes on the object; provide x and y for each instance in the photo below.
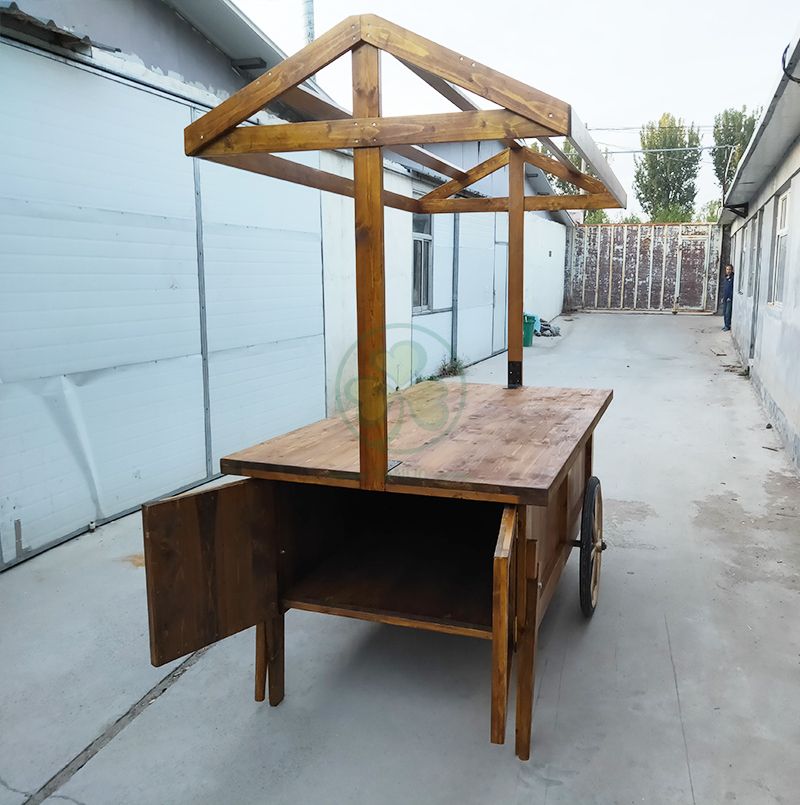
(101, 402)
(263, 278)
(101, 375)
(545, 254)
(338, 254)
(475, 286)
(775, 367)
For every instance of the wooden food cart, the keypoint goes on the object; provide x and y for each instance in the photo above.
(461, 528)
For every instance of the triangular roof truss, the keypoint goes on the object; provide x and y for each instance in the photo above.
(222, 135)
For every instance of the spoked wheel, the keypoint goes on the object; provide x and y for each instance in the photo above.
(591, 546)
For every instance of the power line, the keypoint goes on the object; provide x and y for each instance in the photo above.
(666, 150)
(639, 128)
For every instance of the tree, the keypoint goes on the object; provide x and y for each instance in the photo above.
(633, 218)
(710, 211)
(664, 181)
(596, 217)
(733, 129)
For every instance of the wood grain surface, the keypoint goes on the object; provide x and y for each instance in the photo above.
(466, 439)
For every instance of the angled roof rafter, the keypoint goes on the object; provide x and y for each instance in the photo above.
(567, 174)
(266, 88)
(480, 171)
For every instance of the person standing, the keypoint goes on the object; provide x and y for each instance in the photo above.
(727, 297)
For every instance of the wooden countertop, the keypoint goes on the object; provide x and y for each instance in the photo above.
(446, 438)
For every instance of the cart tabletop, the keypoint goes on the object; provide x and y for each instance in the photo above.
(445, 438)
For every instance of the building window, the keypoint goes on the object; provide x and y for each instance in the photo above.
(781, 253)
(422, 291)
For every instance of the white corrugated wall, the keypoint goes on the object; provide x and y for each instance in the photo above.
(101, 367)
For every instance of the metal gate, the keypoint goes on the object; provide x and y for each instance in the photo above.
(645, 267)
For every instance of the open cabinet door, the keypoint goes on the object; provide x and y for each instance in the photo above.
(210, 565)
(503, 615)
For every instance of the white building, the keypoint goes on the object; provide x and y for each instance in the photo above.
(156, 312)
(763, 208)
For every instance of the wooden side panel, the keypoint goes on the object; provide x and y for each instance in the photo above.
(576, 275)
(657, 273)
(617, 266)
(643, 276)
(605, 235)
(576, 485)
(672, 235)
(590, 271)
(209, 570)
(629, 266)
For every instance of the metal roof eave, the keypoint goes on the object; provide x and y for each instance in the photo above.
(227, 28)
(778, 128)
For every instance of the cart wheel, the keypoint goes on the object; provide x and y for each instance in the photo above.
(592, 546)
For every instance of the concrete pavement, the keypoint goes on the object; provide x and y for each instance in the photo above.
(684, 687)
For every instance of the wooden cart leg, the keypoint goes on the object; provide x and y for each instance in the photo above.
(276, 663)
(526, 670)
(261, 661)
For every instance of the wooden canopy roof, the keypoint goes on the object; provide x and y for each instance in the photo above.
(525, 112)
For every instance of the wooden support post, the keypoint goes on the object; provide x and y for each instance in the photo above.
(516, 235)
(370, 280)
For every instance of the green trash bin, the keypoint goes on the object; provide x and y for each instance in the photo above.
(528, 323)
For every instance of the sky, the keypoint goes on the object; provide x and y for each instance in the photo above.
(618, 63)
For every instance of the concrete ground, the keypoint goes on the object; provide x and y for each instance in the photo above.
(684, 687)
